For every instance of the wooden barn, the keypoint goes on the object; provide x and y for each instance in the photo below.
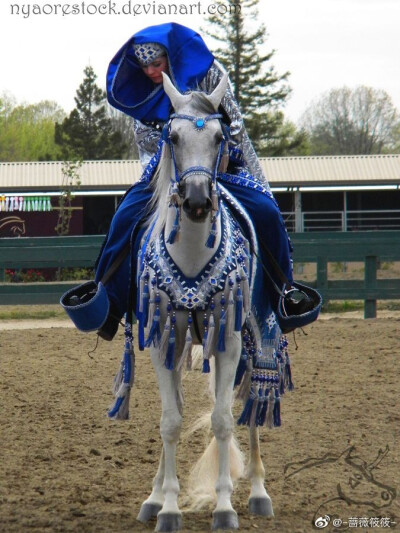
(326, 193)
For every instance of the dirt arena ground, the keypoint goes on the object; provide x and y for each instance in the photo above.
(65, 467)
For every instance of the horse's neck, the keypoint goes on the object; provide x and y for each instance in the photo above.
(189, 252)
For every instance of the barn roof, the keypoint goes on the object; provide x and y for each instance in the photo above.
(369, 170)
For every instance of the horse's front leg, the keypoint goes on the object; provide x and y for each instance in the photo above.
(259, 502)
(224, 516)
(153, 505)
(169, 381)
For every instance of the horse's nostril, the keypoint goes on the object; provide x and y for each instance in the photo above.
(385, 496)
(197, 209)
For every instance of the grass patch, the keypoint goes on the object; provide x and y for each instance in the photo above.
(31, 312)
(339, 306)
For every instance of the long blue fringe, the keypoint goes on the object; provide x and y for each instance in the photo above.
(277, 409)
(221, 333)
(238, 310)
(155, 331)
(170, 357)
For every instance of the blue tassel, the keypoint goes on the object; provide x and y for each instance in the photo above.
(221, 333)
(240, 370)
(155, 331)
(141, 340)
(282, 384)
(263, 411)
(170, 357)
(238, 310)
(277, 409)
(288, 369)
(210, 243)
(175, 229)
(244, 419)
(145, 305)
(120, 410)
(206, 366)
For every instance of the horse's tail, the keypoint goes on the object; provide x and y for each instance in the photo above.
(203, 476)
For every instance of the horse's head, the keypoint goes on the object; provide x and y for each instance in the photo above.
(196, 140)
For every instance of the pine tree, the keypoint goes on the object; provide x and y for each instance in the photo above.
(258, 88)
(87, 133)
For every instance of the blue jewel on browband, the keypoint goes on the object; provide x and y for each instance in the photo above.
(199, 124)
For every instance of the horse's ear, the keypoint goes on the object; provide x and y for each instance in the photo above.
(177, 99)
(219, 92)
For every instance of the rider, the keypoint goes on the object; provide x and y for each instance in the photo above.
(134, 86)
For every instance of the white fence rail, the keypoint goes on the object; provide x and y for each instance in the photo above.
(377, 219)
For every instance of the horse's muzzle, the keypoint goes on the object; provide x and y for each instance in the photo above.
(197, 202)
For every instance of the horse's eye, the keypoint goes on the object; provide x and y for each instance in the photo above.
(218, 138)
(174, 137)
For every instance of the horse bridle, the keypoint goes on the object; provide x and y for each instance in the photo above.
(199, 124)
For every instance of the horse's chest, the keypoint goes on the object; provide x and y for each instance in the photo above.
(227, 267)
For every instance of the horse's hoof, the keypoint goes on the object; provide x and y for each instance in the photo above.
(261, 506)
(225, 520)
(148, 511)
(169, 522)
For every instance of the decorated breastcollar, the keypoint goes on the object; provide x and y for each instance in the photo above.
(196, 293)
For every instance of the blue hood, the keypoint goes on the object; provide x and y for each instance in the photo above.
(131, 91)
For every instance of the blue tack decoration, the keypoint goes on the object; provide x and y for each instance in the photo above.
(239, 310)
(206, 366)
(244, 419)
(112, 412)
(200, 123)
(282, 385)
(175, 229)
(221, 333)
(240, 370)
(210, 243)
(145, 305)
(288, 369)
(263, 411)
(277, 409)
(260, 404)
(120, 410)
(170, 357)
(155, 331)
(141, 339)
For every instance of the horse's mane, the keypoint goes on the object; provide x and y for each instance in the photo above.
(165, 171)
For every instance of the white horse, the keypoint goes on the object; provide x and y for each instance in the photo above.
(189, 215)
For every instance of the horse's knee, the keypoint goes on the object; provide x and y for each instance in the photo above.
(170, 427)
(222, 424)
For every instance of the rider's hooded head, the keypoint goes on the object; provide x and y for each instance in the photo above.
(132, 90)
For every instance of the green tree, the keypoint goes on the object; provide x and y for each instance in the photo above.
(258, 88)
(87, 133)
(27, 130)
(351, 122)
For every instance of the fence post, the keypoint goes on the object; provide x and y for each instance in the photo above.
(371, 266)
(322, 273)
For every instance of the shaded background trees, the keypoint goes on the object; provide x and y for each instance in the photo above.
(88, 133)
(352, 121)
(27, 130)
(259, 89)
